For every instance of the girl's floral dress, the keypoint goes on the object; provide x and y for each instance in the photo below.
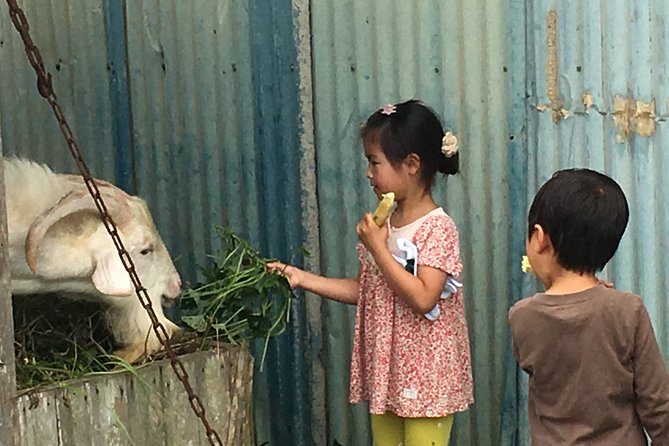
(404, 362)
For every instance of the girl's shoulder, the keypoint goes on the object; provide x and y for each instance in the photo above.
(434, 221)
(437, 220)
(437, 241)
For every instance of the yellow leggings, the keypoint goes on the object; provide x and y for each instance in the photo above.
(390, 430)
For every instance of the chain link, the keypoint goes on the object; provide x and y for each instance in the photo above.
(45, 88)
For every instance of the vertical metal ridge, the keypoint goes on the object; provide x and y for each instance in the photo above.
(462, 78)
(72, 59)
(119, 93)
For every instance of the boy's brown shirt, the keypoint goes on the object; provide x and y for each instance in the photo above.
(596, 373)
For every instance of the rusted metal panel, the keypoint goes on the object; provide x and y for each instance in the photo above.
(146, 406)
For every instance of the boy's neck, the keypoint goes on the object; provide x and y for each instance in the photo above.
(568, 282)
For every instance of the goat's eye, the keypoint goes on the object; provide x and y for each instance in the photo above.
(146, 251)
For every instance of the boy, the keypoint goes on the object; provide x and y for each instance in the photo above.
(596, 374)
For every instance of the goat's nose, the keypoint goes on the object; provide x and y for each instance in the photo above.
(173, 290)
(169, 301)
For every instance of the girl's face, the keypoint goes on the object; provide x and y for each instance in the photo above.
(383, 176)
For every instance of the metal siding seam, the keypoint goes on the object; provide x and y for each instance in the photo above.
(119, 92)
(310, 217)
(277, 108)
(517, 116)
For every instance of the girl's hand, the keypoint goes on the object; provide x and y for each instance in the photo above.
(373, 237)
(294, 275)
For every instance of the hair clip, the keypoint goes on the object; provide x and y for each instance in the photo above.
(388, 109)
(449, 144)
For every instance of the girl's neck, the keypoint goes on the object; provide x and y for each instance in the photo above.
(412, 208)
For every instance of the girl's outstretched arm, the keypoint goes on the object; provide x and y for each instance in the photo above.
(340, 290)
(421, 292)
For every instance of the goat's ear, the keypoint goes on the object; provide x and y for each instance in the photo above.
(110, 277)
(76, 202)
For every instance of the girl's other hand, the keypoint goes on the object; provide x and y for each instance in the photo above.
(373, 237)
(293, 274)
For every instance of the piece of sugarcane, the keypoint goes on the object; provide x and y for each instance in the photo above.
(525, 265)
(383, 209)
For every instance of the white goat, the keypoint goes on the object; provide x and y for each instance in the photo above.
(57, 243)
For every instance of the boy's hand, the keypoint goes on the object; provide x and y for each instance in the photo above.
(605, 283)
(293, 274)
(373, 237)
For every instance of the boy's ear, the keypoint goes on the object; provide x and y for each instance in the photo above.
(542, 239)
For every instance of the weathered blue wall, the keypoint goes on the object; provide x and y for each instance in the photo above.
(451, 55)
(193, 106)
(246, 113)
(598, 98)
(74, 44)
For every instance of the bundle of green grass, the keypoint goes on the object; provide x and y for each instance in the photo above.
(238, 301)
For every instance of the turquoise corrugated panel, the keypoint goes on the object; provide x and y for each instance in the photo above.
(200, 102)
(451, 55)
(73, 41)
(513, 424)
(606, 52)
(204, 122)
(215, 119)
(283, 391)
(193, 121)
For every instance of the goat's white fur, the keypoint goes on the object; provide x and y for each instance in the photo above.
(58, 244)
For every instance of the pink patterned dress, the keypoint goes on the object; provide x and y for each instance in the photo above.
(402, 361)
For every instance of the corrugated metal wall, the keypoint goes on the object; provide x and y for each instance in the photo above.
(194, 119)
(450, 54)
(194, 106)
(598, 87)
(81, 77)
(246, 114)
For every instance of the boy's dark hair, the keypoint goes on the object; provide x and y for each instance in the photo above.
(412, 128)
(585, 214)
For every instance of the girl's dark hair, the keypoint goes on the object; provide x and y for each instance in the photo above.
(412, 127)
(585, 214)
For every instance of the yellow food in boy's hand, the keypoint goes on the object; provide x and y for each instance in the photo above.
(383, 209)
(525, 265)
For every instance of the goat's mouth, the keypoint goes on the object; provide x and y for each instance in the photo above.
(168, 301)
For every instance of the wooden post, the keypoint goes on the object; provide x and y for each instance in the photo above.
(7, 359)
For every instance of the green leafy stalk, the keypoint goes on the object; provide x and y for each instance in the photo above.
(239, 299)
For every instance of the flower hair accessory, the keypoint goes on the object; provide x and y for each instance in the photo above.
(449, 144)
(388, 109)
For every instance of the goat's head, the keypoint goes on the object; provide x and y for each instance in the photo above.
(70, 241)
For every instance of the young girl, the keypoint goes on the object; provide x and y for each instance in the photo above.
(411, 358)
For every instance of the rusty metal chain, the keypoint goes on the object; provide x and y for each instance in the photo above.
(45, 88)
